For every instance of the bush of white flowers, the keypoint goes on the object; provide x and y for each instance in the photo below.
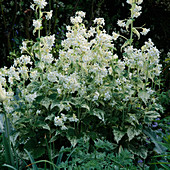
(88, 91)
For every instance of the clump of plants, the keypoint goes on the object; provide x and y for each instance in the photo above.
(87, 92)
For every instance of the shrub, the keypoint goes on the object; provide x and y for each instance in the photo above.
(88, 91)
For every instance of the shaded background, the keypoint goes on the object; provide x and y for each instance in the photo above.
(16, 23)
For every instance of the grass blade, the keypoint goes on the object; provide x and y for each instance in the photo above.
(34, 166)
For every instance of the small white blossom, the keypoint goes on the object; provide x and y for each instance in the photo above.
(129, 1)
(115, 56)
(107, 96)
(63, 116)
(58, 121)
(73, 119)
(136, 14)
(40, 3)
(24, 46)
(145, 31)
(76, 20)
(49, 15)
(115, 35)
(81, 14)
(31, 97)
(120, 23)
(37, 23)
(96, 96)
(99, 21)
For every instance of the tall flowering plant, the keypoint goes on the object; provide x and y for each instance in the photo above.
(88, 91)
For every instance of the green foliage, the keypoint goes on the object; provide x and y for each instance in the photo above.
(101, 156)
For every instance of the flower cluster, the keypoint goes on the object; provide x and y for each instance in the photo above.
(87, 78)
(59, 121)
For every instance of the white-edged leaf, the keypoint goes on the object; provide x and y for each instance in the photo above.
(132, 132)
(46, 127)
(144, 96)
(128, 23)
(118, 134)
(85, 106)
(46, 102)
(152, 114)
(99, 113)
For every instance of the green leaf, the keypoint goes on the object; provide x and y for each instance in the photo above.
(138, 150)
(99, 113)
(168, 59)
(54, 104)
(46, 102)
(46, 127)
(144, 96)
(118, 134)
(55, 137)
(152, 114)
(132, 132)
(34, 166)
(128, 23)
(50, 117)
(85, 106)
(9, 166)
(155, 139)
(136, 32)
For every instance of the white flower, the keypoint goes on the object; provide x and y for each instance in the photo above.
(49, 15)
(33, 74)
(81, 14)
(96, 96)
(40, 3)
(52, 77)
(76, 20)
(63, 116)
(31, 97)
(136, 14)
(48, 58)
(38, 112)
(99, 21)
(137, 8)
(58, 121)
(107, 96)
(59, 91)
(37, 23)
(129, 1)
(120, 23)
(24, 46)
(115, 56)
(10, 80)
(73, 119)
(115, 35)
(48, 41)
(145, 31)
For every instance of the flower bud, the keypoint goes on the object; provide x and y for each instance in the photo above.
(2, 94)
